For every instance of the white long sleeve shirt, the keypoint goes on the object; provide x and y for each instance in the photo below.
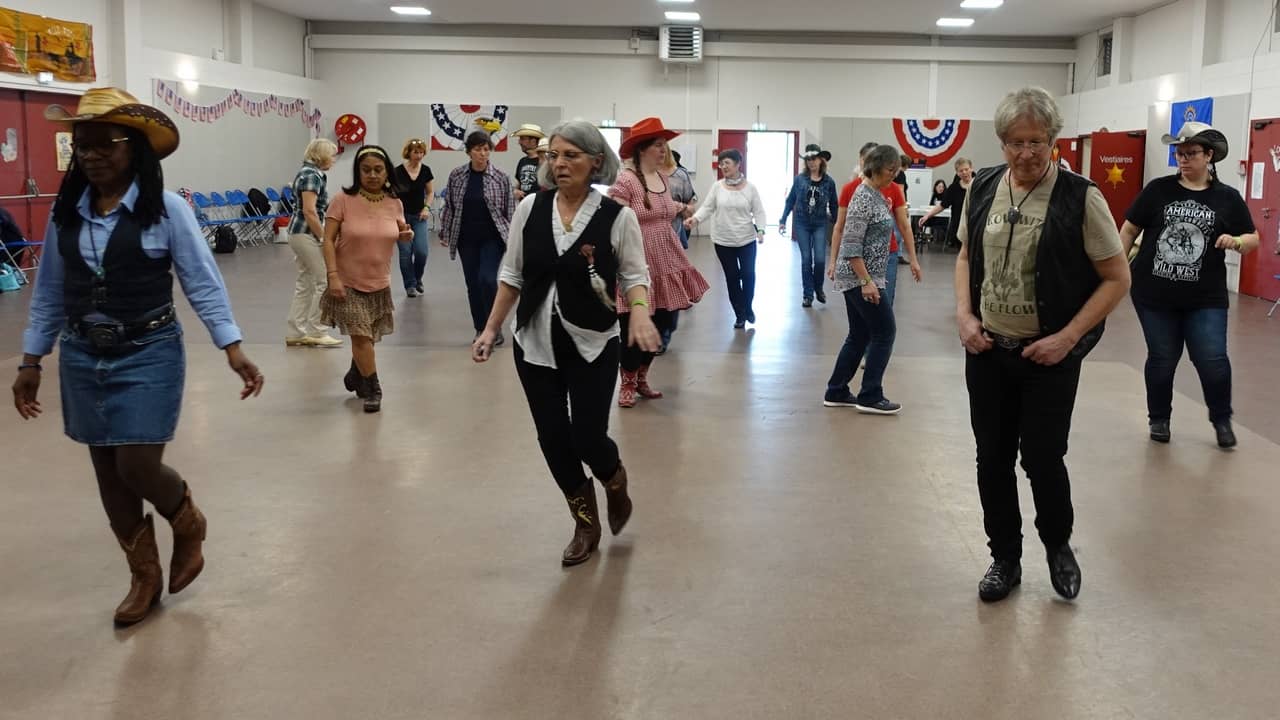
(737, 214)
(628, 248)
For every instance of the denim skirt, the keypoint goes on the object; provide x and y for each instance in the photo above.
(127, 397)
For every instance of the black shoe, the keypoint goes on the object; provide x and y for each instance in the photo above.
(373, 394)
(739, 324)
(807, 302)
(1001, 578)
(1226, 436)
(353, 382)
(820, 296)
(845, 399)
(884, 407)
(421, 290)
(1160, 431)
(751, 316)
(1064, 572)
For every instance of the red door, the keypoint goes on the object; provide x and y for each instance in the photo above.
(1116, 162)
(42, 155)
(1071, 150)
(13, 165)
(1258, 269)
(730, 139)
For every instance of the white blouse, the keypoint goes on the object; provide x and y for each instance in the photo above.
(628, 248)
(737, 214)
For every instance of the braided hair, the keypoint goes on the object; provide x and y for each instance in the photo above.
(635, 162)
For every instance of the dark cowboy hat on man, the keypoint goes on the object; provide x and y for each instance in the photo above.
(813, 150)
(117, 107)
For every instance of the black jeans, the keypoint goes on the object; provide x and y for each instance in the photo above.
(570, 406)
(739, 265)
(633, 357)
(1015, 404)
(481, 257)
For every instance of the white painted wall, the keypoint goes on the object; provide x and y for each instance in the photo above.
(1238, 29)
(92, 12)
(278, 40)
(194, 27)
(972, 90)
(1162, 45)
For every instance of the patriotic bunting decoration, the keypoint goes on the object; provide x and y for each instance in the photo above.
(168, 93)
(934, 141)
(450, 125)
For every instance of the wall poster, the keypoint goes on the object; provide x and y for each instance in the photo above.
(32, 44)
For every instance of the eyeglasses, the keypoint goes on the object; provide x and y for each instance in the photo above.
(1035, 146)
(104, 147)
(1188, 154)
(570, 155)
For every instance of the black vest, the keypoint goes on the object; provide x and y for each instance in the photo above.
(132, 284)
(580, 304)
(1065, 276)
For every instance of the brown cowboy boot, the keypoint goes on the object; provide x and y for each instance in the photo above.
(188, 533)
(642, 385)
(586, 533)
(616, 499)
(148, 577)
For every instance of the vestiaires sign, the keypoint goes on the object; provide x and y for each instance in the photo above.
(1116, 165)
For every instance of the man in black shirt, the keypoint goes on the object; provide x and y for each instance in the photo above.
(527, 168)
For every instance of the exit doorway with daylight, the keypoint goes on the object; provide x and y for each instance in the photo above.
(770, 159)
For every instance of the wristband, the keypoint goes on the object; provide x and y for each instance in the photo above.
(30, 366)
(1239, 243)
(637, 303)
(331, 272)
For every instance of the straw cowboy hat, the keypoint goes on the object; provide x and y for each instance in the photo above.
(1201, 134)
(117, 107)
(646, 129)
(544, 144)
(530, 130)
(812, 150)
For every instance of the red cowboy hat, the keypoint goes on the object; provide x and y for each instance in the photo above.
(646, 129)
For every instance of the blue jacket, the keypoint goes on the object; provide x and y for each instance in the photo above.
(815, 211)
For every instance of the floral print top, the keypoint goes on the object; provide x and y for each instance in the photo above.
(868, 228)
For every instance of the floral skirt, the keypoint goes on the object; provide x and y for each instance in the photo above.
(362, 314)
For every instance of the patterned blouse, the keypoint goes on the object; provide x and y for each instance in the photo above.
(308, 179)
(675, 284)
(867, 230)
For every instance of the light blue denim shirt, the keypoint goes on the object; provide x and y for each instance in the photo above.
(177, 236)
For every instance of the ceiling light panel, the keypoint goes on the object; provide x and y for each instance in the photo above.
(981, 4)
(410, 10)
(955, 22)
(677, 16)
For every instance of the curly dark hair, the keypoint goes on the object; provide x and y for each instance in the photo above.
(146, 171)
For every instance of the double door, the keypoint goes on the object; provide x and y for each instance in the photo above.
(29, 152)
(1258, 270)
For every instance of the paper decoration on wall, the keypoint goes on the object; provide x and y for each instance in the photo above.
(63, 148)
(33, 43)
(169, 93)
(934, 141)
(450, 125)
(1181, 113)
(9, 148)
(350, 130)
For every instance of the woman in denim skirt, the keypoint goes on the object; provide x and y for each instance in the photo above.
(107, 294)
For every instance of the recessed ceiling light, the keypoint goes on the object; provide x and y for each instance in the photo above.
(955, 22)
(982, 4)
(683, 16)
(675, 1)
(409, 10)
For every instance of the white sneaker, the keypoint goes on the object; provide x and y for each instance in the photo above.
(295, 341)
(324, 341)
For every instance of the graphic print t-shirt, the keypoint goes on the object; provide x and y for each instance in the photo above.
(1177, 266)
(527, 175)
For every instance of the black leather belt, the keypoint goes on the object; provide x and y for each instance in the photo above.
(1008, 343)
(110, 335)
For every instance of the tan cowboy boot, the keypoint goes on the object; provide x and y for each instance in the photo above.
(148, 577)
(586, 533)
(616, 499)
(642, 384)
(188, 534)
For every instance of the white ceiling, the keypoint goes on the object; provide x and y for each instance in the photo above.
(1017, 17)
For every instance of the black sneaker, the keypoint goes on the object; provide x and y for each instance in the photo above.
(1160, 431)
(1064, 572)
(1001, 578)
(1226, 436)
(821, 296)
(739, 324)
(421, 290)
(884, 407)
(837, 400)
(807, 302)
(751, 316)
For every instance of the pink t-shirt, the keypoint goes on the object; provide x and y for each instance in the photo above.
(366, 239)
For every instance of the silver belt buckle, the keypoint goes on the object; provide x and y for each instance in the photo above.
(1007, 343)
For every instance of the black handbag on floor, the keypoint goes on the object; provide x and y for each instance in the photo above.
(224, 239)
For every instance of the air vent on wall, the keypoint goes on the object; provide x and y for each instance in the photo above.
(680, 44)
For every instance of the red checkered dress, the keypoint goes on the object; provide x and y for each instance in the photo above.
(674, 283)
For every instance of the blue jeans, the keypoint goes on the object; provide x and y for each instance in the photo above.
(813, 256)
(872, 330)
(739, 265)
(481, 257)
(891, 274)
(1204, 333)
(413, 255)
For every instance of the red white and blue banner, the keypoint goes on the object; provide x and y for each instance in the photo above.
(169, 93)
(1181, 113)
(451, 124)
(935, 142)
